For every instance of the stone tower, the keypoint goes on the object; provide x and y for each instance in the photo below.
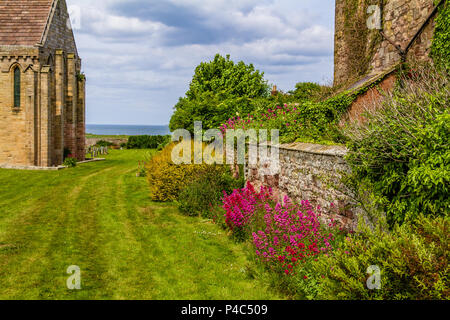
(372, 39)
(363, 51)
(42, 92)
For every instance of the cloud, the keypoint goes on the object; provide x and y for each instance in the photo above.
(139, 55)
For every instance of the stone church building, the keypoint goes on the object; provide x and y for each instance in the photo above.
(42, 92)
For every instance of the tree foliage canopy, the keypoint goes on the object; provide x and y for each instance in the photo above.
(219, 90)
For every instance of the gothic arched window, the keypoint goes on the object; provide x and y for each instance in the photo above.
(17, 87)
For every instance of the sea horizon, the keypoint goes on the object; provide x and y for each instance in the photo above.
(127, 130)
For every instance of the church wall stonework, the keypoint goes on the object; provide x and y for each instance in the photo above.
(51, 116)
(17, 125)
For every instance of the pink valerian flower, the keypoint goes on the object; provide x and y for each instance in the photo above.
(241, 205)
(289, 233)
(290, 228)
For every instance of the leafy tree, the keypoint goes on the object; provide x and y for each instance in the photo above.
(220, 89)
(305, 91)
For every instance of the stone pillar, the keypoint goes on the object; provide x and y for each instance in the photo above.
(340, 55)
(81, 119)
(45, 158)
(71, 106)
(31, 118)
(59, 107)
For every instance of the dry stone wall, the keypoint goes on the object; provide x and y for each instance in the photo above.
(311, 172)
(93, 141)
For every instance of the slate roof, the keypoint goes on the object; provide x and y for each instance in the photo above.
(22, 22)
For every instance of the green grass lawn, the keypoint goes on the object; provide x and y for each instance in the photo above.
(98, 216)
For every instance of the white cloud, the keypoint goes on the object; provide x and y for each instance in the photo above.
(138, 65)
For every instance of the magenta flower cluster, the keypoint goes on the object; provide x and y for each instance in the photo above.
(284, 235)
(241, 206)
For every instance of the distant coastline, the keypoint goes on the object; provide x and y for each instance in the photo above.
(126, 130)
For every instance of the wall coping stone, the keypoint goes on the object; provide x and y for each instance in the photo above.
(320, 149)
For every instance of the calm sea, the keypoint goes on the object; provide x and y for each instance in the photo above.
(128, 130)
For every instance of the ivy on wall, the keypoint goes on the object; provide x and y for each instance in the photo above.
(361, 41)
(440, 48)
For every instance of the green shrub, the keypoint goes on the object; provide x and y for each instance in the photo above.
(148, 142)
(402, 150)
(413, 261)
(206, 190)
(70, 162)
(306, 91)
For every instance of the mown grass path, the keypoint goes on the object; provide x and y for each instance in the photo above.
(98, 216)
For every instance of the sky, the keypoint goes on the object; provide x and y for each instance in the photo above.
(139, 56)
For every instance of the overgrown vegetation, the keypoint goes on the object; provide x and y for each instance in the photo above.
(400, 157)
(360, 42)
(306, 91)
(307, 121)
(402, 151)
(166, 179)
(304, 259)
(196, 188)
(413, 261)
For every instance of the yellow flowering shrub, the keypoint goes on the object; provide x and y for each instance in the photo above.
(166, 179)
